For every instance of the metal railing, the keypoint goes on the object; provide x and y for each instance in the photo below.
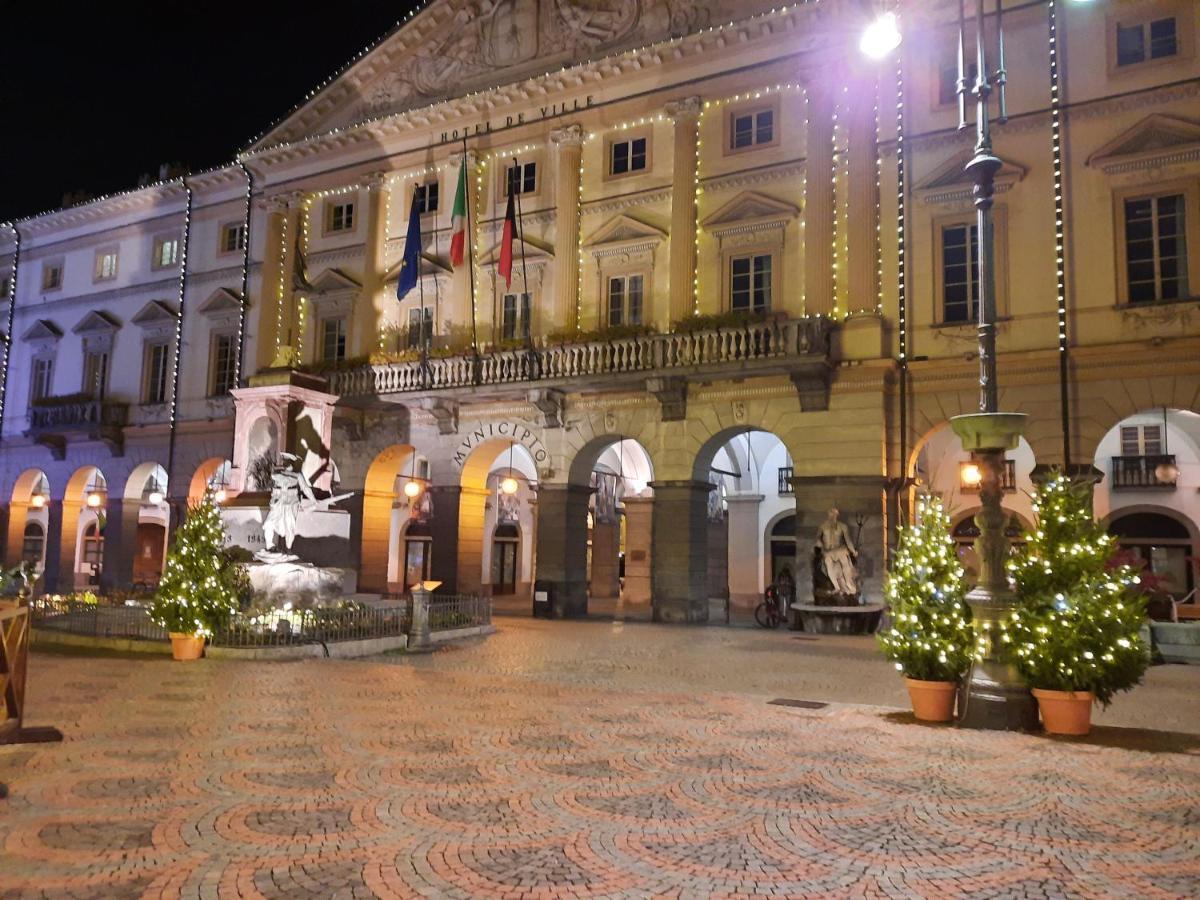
(766, 341)
(95, 619)
(49, 416)
(450, 611)
(1140, 472)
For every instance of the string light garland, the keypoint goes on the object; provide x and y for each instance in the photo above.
(283, 230)
(9, 316)
(238, 361)
(1060, 255)
(180, 297)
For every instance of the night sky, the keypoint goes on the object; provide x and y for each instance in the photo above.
(93, 95)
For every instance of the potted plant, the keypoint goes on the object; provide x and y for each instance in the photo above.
(930, 638)
(198, 593)
(1075, 634)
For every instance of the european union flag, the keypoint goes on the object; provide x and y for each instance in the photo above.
(410, 263)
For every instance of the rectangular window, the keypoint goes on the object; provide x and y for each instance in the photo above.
(960, 273)
(233, 237)
(750, 283)
(333, 339)
(95, 373)
(627, 156)
(625, 300)
(341, 217)
(752, 129)
(154, 382)
(1140, 41)
(51, 276)
(224, 362)
(427, 197)
(41, 379)
(1141, 440)
(514, 317)
(420, 327)
(1155, 252)
(166, 253)
(523, 176)
(106, 265)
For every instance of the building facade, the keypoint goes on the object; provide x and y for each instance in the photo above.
(742, 292)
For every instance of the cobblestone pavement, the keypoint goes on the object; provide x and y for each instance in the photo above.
(517, 766)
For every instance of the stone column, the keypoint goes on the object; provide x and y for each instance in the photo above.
(354, 506)
(60, 564)
(679, 545)
(372, 302)
(420, 635)
(606, 560)
(275, 316)
(120, 543)
(818, 201)
(472, 518)
(718, 558)
(639, 512)
(854, 496)
(14, 528)
(686, 115)
(745, 550)
(568, 143)
(562, 547)
(862, 199)
(444, 525)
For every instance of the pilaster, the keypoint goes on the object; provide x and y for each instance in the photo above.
(639, 513)
(686, 116)
(818, 200)
(568, 143)
(369, 310)
(679, 544)
(862, 218)
(120, 543)
(276, 318)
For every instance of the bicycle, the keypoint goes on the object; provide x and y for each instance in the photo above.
(767, 614)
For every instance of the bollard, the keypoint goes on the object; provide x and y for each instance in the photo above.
(419, 637)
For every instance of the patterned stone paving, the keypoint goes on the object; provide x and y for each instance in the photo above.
(414, 777)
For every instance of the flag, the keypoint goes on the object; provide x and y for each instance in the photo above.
(410, 262)
(506, 240)
(458, 220)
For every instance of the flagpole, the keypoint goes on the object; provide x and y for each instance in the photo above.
(470, 241)
(421, 323)
(521, 230)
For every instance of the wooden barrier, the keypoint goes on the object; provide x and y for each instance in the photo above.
(14, 664)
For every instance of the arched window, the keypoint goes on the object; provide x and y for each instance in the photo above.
(1163, 543)
(34, 544)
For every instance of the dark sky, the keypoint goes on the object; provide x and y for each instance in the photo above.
(94, 94)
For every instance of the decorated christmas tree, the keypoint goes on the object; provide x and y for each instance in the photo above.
(1080, 611)
(200, 587)
(930, 638)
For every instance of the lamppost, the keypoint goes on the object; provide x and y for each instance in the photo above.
(996, 697)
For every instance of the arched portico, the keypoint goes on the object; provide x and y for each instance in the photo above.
(28, 519)
(385, 512)
(136, 523)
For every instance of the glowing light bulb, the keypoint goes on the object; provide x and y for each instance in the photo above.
(971, 475)
(220, 495)
(37, 501)
(155, 498)
(412, 490)
(881, 37)
(509, 485)
(94, 499)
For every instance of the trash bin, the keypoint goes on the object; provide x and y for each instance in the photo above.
(543, 600)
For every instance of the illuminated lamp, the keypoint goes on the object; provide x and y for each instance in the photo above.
(881, 37)
(971, 475)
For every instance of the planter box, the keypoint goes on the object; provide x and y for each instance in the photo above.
(1178, 642)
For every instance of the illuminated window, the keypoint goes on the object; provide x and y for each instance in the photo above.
(515, 315)
(224, 364)
(750, 283)
(627, 156)
(154, 377)
(751, 129)
(340, 217)
(420, 327)
(233, 237)
(1138, 42)
(52, 276)
(166, 252)
(106, 265)
(1155, 248)
(41, 379)
(625, 293)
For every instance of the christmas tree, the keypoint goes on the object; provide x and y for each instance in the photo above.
(930, 638)
(1080, 610)
(200, 586)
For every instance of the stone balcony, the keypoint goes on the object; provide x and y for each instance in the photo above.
(56, 421)
(661, 363)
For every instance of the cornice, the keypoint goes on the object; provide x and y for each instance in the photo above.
(95, 210)
(165, 288)
(757, 176)
(593, 207)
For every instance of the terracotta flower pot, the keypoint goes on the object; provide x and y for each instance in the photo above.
(932, 701)
(186, 646)
(1065, 712)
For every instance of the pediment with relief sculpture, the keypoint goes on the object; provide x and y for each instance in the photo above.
(950, 183)
(1155, 141)
(452, 48)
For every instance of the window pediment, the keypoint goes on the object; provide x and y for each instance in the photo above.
(534, 255)
(96, 323)
(748, 212)
(1155, 141)
(622, 235)
(950, 183)
(42, 330)
(221, 304)
(331, 281)
(427, 265)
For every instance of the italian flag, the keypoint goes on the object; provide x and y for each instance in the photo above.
(458, 221)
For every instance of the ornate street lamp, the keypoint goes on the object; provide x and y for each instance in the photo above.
(996, 696)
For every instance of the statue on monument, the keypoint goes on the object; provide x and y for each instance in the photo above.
(838, 554)
(291, 494)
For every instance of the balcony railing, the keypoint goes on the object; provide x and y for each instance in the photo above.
(752, 343)
(53, 420)
(1140, 473)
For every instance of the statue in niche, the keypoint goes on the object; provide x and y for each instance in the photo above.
(838, 555)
